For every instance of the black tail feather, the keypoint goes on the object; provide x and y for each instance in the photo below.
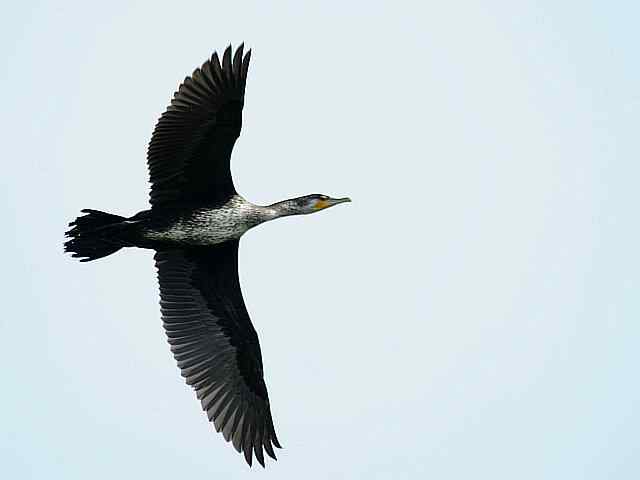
(95, 235)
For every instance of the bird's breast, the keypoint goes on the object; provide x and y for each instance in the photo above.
(209, 226)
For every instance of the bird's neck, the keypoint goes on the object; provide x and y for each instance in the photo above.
(275, 210)
(256, 214)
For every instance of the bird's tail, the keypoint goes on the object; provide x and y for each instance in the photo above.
(95, 235)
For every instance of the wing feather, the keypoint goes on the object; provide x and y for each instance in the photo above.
(215, 344)
(190, 150)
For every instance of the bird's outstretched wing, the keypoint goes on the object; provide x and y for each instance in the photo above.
(215, 344)
(190, 149)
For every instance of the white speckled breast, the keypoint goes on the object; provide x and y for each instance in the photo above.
(208, 226)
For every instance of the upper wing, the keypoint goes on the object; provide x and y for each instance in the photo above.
(190, 149)
(216, 346)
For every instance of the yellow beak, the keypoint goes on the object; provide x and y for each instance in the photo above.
(320, 204)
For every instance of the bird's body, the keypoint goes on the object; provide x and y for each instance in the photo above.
(205, 225)
(194, 224)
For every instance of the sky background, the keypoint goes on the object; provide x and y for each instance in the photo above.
(472, 314)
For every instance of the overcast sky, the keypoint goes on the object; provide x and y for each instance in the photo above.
(474, 313)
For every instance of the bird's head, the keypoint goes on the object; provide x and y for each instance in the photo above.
(308, 204)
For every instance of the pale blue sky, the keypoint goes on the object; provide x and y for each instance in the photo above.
(472, 314)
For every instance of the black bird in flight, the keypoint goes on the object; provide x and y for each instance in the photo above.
(194, 224)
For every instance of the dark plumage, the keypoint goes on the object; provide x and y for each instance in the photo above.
(202, 122)
(216, 346)
(195, 224)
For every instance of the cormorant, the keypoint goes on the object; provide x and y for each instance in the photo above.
(194, 224)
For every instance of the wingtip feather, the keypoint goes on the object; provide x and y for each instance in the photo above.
(237, 65)
(245, 66)
(226, 60)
